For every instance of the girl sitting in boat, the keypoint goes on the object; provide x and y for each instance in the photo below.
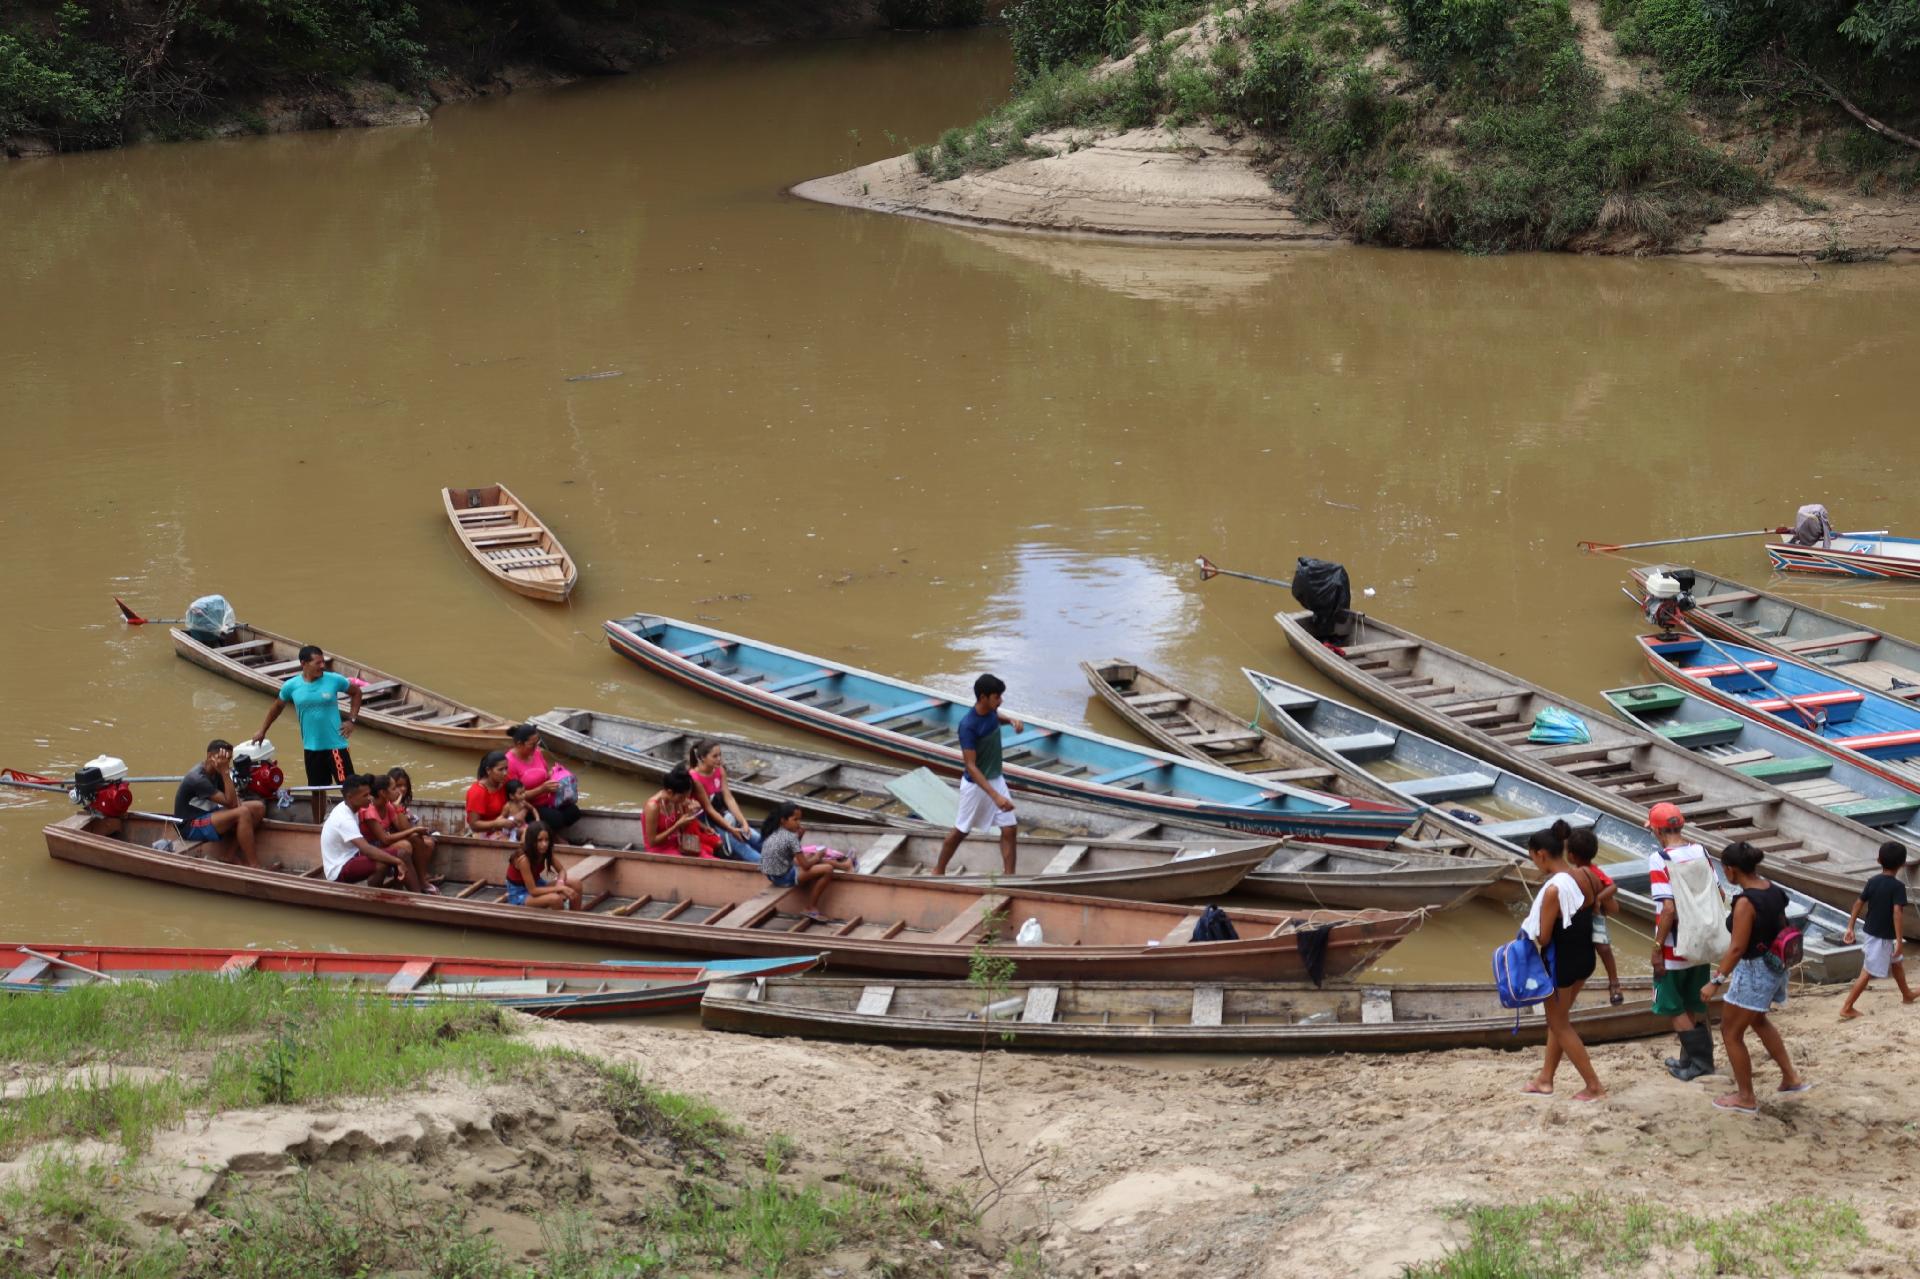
(786, 864)
(670, 823)
(720, 810)
(488, 813)
(532, 878)
(381, 826)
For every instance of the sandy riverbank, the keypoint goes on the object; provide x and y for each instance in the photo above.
(1341, 1166)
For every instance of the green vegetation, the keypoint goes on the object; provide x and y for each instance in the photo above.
(924, 14)
(204, 1044)
(1594, 1234)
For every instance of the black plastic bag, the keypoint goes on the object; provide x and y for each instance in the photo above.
(1322, 588)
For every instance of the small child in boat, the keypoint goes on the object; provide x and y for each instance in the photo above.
(787, 864)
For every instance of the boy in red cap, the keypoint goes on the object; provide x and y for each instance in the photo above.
(1678, 981)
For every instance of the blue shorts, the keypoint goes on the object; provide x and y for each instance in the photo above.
(200, 831)
(517, 893)
(787, 880)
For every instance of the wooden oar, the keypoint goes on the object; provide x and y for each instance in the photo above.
(109, 978)
(134, 619)
(1210, 570)
(1600, 548)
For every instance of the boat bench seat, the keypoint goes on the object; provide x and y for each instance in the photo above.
(1705, 732)
(29, 971)
(1132, 770)
(795, 681)
(543, 561)
(1222, 741)
(1291, 700)
(245, 646)
(1143, 701)
(886, 713)
(378, 688)
(1798, 768)
(1831, 641)
(278, 668)
(1762, 666)
(1377, 646)
(587, 867)
(700, 650)
(1726, 597)
(1518, 830)
(1647, 697)
(1361, 746)
(458, 719)
(1811, 701)
(1879, 812)
(1436, 790)
(969, 921)
(1881, 741)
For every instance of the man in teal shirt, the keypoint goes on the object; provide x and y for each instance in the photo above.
(315, 697)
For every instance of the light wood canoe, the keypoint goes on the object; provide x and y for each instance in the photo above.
(1160, 1016)
(1500, 809)
(1623, 770)
(910, 928)
(1140, 870)
(510, 542)
(1727, 609)
(264, 661)
(543, 988)
(1178, 720)
(1353, 878)
(825, 785)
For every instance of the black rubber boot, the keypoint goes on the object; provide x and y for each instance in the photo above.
(1696, 1047)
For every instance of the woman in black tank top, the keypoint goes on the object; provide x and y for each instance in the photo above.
(1753, 978)
(1571, 944)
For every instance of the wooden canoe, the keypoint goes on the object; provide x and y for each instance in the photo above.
(1160, 1016)
(1499, 808)
(1868, 730)
(910, 928)
(910, 721)
(1866, 658)
(543, 988)
(1355, 878)
(1772, 755)
(1843, 556)
(1623, 770)
(825, 785)
(1186, 723)
(1139, 870)
(510, 542)
(264, 661)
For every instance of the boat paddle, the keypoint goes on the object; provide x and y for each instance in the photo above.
(1209, 570)
(1604, 548)
(134, 619)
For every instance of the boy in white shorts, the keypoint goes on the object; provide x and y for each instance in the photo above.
(984, 801)
(1883, 901)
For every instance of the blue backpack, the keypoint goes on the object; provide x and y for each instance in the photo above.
(1522, 975)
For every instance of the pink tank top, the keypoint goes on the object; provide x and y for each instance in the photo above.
(530, 773)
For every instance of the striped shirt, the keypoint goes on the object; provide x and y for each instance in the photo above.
(1662, 889)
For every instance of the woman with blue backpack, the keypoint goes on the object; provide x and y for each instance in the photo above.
(1560, 925)
(1753, 972)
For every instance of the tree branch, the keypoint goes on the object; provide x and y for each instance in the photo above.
(1879, 127)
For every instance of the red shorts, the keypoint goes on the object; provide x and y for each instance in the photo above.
(358, 867)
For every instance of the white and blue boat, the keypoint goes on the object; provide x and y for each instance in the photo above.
(908, 721)
(1503, 808)
(1872, 730)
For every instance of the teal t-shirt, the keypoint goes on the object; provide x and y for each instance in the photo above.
(317, 702)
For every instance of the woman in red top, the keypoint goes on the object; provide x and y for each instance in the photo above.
(722, 810)
(487, 801)
(525, 884)
(670, 823)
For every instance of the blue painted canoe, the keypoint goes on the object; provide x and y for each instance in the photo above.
(1895, 557)
(1875, 731)
(912, 722)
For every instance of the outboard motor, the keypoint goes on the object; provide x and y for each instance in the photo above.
(1322, 588)
(101, 787)
(212, 621)
(256, 772)
(1669, 600)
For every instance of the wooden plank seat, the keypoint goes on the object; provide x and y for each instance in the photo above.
(1208, 1002)
(969, 921)
(1726, 597)
(1793, 769)
(874, 1001)
(484, 512)
(1762, 666)
(279, 668)
(29, 971)
(1064, 861)
(1042, 1004)
(1705, 732)
(503, 536)
(797, 681)
(1880, 741)
(1438, 790)
(1811, 701)
(381, 688)
(1360, 747)
(587, 867)
(411, 974)
(878, 852)
(1518, 829)
(1135, 773)
(544, 561)
(886, 713)
(244, 646)
(242, 961)
(1831, 641)
(1377, 646)
(1144, 701)
(1878, 812)
(458, 719)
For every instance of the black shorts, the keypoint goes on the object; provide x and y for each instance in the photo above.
(328, 768)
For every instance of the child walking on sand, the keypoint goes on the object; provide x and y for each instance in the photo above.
(1582, 848)
(1883, 901)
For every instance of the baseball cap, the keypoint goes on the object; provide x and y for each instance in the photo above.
(1665, 817)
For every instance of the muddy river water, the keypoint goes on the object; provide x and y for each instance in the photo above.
(248, 367)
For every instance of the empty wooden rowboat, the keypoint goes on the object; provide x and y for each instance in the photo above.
(910, 721)
(1182, 721)
(915, 928)
(1130, 870)
(1355, 878)
(1727, 609)
(543, 988)
(1159, 1016)
(510, 542)
(826, 785)
(264, 661)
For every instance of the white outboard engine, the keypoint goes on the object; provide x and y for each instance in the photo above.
(257, 775)
(1669, 599)
(100, 787)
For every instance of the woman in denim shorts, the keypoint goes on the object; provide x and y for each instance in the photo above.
(1754, 978)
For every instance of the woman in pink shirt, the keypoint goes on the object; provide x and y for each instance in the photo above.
(549, 787)
(720, 810)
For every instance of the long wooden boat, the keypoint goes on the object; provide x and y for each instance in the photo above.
(1744, 614)
(1355, 878)
(1869, 730)
(1185, 723)
(1141, 870)
(544, 988)
(1158, 1016)
(1896, 557)
(913, 722)
(510, 542)
(826, 785)
(264, 661)
(1502, 808)
(911, 928)
(1770, 753)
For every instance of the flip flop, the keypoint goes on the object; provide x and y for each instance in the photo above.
(1805, 1085)
(1738, 1110)
(1617, 998)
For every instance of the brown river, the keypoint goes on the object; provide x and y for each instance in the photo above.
(249, 366)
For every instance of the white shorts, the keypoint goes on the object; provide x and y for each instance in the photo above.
(1876, 954)
(977, 809)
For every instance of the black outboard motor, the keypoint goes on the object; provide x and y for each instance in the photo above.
(1322, 588)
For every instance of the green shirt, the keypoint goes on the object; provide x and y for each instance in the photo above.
(981, 735)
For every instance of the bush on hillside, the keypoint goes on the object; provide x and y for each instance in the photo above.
(920, 15)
